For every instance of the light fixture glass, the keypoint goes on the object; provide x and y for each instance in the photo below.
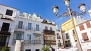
(55, 9)
(67, 2)
(82, 7)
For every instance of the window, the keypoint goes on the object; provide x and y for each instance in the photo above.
(46, 27)
(54, 38)
(28, 49)
(73, 31)
(37, 50)
(19, 36)
(85, 36)
(9, 12)
(37, 37)
(29, 26)
(88, 24)
(37, 27)
(81, 27)
(20, 24)
(75, 40)
(50, 28)
(58, 36)
(28, 37)
(59, 41)
(67, 36)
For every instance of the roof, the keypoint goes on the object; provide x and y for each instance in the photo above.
(8, 6)
(83, 22)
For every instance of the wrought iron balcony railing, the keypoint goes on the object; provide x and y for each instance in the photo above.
(37, 29)
(37, 41)
(28, 41)
(59, 44)
(58, 37)
(29, 28)
(19, 27)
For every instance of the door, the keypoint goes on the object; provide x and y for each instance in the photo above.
(37, 49)
(5, 27)
(28, 49)
(20, 24)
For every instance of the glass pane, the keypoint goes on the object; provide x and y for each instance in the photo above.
(37, 27)
(28, 37)
(20, 24)
(29, 26)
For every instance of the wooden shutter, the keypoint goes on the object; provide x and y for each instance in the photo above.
(88, 24)
(81, 27)
(85, 36)
(88, 49)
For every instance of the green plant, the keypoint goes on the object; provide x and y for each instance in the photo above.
(45, 48)
(5, 48)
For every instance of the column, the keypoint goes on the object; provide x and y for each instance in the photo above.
(18, 45)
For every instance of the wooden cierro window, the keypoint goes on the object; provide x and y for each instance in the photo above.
(88, 24)
(85, 36)
(81, 27)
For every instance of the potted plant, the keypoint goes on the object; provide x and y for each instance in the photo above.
(45, 48)
(5, 48)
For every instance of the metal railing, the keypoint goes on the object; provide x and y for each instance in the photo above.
(37, 29)
(37, 41)
(28, 41)
(58, 37)
(19, 27)
(27, 28)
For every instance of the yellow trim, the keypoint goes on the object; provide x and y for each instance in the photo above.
(69, 24)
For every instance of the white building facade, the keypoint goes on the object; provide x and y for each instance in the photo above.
(68, 32)
(26, 29)
(84, 34)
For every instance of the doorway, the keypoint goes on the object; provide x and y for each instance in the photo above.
(5, 26)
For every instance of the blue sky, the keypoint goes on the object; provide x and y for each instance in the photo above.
(44, 7)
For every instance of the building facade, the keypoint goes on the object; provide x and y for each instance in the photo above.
(84, 34)
(26, 32)
(68, 32)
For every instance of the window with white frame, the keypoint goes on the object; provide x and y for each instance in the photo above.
(29, 26)
(28, 37)
(19, 36)
(37, 27)
(37, 37)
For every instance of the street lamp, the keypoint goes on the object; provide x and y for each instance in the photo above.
(71, 13)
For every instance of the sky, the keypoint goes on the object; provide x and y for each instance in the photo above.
(44, 8)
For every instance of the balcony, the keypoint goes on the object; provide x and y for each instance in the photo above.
(28, 41)
(59, 44)
(14, 41)
(50, 42)
(9, 30)
(58, 37)
(37, 30)
(32, 41)
(19, 28)
(29, 29)
(37, 41)
(49, 32)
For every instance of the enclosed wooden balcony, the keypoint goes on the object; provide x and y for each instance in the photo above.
(50, 42)
(48, 32)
